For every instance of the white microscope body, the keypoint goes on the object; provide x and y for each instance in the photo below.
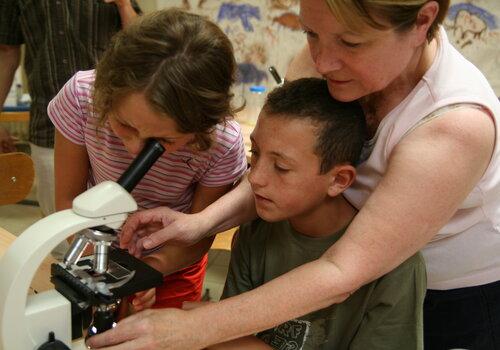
(26, 320)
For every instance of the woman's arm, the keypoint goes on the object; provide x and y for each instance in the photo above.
(71, 168)
(232, 209)
(171, 258)
(429, 174)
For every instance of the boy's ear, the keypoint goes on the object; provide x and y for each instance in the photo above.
(341, 177)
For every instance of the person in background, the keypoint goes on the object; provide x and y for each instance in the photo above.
(6, 141)
(298, 197)
(61, 37)
(166, 76)
(429, 180)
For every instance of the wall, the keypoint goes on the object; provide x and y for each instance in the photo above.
(473, 27)
(266, 32)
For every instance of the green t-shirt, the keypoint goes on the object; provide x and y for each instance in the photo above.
(385, 314)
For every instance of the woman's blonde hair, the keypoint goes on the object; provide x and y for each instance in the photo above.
(401, 14)
(183, 64)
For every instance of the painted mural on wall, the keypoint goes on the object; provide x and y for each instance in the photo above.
(264, 33)
(473, 27)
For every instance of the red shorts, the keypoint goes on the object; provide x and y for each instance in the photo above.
(183, 285)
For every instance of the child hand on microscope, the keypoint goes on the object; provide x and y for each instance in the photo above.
(166, 76)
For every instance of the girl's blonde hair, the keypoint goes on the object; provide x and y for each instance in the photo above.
(401, 14)
(181, 62)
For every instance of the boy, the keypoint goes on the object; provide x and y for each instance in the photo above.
(304, 148)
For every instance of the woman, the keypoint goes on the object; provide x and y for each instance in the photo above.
(429, 181)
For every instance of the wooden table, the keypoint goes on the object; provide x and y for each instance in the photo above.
(15, 116)
(41, 281)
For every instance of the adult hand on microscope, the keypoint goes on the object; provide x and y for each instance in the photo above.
(150, 228)
(150, 329)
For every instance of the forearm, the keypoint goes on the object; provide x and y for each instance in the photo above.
(127, 12)
(233, 209)
(273, 303)
(9, 61)
(170, 259)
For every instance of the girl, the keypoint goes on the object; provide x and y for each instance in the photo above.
(166, 76)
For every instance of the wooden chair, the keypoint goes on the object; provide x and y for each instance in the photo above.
(16, 177)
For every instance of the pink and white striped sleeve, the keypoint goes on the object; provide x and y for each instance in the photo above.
(230, 163)
(66, 113)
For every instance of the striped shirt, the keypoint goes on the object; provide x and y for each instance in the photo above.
(61, 37)
(172, 179)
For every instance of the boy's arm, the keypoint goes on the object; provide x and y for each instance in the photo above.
(394, 316)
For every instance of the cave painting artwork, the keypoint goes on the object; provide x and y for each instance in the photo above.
(243, 13)
(469, 24)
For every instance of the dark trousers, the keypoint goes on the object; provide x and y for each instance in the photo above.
(464, 318)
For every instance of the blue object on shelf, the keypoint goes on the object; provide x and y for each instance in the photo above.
(258, 89)
(23, 108)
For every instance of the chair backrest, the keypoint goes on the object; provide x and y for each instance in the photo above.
(16, 177)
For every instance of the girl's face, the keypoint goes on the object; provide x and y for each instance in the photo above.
(134, 121)
(354, 64)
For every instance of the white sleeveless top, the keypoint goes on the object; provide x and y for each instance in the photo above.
(466, 251)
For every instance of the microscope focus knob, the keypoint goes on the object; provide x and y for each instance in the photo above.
(53, 344)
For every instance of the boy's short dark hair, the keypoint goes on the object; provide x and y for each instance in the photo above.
(341, 127)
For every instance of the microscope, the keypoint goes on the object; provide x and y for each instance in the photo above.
(88, 289)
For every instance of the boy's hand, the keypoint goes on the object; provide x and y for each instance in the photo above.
(143, 300)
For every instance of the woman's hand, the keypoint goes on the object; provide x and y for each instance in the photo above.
(151, 329)
(150, 228)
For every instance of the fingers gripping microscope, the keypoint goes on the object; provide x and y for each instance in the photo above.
(87, 288)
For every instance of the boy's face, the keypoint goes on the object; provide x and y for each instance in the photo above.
(284, 172)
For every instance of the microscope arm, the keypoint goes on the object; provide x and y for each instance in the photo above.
(21, 261)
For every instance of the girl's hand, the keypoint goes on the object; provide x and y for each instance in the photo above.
(143, 300)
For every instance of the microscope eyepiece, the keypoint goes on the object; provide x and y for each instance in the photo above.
(141, 164)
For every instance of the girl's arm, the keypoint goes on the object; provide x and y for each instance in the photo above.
(171, 258)
(71, 168)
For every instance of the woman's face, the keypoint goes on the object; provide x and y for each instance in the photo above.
(134, 121)
(354, 64)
